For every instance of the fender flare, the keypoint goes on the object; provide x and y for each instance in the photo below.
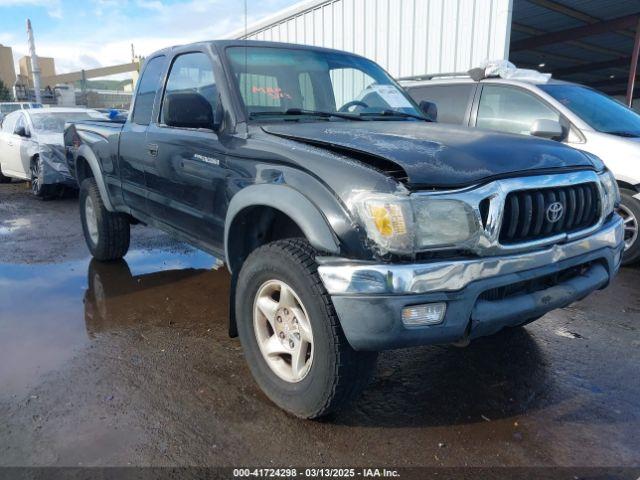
(290, 202)
(87, 154)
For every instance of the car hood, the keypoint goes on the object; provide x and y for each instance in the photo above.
(50, 138)
(435, 155)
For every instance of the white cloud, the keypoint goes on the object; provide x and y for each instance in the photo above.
(53, 7)
(107, 39)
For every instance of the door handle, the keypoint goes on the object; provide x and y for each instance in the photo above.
(153, 149)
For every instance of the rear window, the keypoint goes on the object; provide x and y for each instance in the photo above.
(452, 100)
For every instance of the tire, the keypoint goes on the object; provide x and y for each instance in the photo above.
(38, 188)
(333, 373)
(629, 210)
(4, 179)
(107, 233)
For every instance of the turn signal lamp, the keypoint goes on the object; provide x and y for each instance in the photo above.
(427, 314)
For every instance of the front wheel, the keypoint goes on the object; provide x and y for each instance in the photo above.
(629, 210)
(38, 188)
(107, 233)
(291, 335)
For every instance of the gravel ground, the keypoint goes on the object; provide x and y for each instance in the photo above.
(130, 364)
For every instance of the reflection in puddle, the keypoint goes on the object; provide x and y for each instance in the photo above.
(48, 313)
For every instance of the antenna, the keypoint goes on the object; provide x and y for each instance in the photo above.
(35, 65)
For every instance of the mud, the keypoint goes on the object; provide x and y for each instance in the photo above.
(129, 363)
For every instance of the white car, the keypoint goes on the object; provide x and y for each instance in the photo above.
(571, 113)
(32, 147)
(7, 107)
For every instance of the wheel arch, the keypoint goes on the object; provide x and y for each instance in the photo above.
(282, 202)
(87, 165)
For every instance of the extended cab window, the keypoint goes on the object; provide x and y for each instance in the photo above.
(191, 73)
(452, 100)
(146, 95)
(511, 110)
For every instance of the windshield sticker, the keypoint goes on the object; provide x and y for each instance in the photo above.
(390, 94)
(273, 92)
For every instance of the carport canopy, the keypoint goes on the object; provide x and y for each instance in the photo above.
(593, 42)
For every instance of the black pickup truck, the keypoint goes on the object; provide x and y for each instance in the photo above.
(350, 222)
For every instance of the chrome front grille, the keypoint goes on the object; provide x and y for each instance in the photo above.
(508, 210)
(540, 213)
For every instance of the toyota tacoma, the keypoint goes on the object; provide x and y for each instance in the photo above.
(350, 223)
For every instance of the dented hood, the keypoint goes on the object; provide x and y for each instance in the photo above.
(438, 155)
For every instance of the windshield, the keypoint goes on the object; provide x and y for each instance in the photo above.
(598, 110)
(9, 107)
(279, 81)
(54, 122)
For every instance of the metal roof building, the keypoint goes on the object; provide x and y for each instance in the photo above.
(587, 41)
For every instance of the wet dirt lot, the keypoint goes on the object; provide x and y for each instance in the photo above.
(130, 364)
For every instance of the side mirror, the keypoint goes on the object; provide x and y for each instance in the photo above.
(188, 110)
(430, 110)
(545, 128)
(22, 132)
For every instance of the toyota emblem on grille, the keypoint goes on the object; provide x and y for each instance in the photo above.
(554, 212)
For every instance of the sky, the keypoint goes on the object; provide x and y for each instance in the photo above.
(85, 34)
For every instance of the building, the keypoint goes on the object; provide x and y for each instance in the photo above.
(7, 68)
(586, 41)
(47, 69)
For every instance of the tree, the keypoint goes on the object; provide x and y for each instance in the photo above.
(5, 93)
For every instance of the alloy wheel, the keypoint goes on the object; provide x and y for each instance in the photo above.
(283, 331)
(91, 219)
(630, 226)
(35, 177)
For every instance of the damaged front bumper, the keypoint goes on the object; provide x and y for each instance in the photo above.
(55, 169)
(481, 295)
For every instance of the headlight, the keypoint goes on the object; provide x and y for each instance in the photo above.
(388, 220)
(611, 193)
(405, 225)
(443, 223)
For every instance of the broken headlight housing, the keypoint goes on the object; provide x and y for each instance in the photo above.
(410, 224)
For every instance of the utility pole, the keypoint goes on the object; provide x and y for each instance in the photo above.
(35, 65)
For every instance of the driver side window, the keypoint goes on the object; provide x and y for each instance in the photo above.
(511, 110)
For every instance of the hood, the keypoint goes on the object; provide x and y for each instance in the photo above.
(435, 155)
(50, 138)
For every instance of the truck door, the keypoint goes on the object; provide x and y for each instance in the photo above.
(135, 155)
(186, 180)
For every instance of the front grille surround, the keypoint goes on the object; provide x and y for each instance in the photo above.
(488, 202)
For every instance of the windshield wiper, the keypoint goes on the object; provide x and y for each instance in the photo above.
(395, 113)
(315, 113)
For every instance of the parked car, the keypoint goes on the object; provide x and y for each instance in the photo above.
(7, 107)
(574, 114)
(32, 147)
(350, 223)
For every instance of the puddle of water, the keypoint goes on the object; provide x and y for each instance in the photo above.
(11, 226)
(50, 312)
